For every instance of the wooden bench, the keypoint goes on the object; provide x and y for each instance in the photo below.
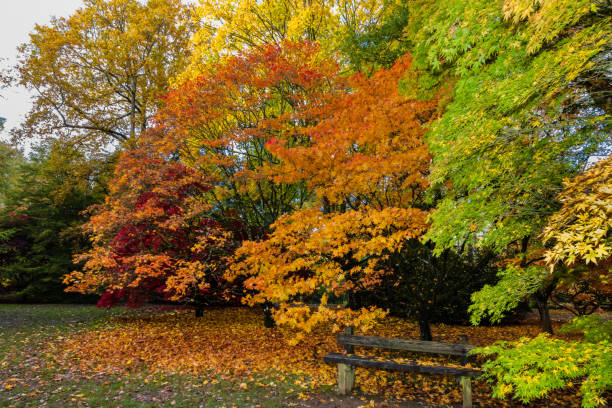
(347, 362)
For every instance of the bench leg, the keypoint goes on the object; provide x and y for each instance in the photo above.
(346, 378)
(466, 386)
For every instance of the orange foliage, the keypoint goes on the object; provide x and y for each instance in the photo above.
(232, 343)
(220, 123)
(218, 126)
(370, 147)
(367, 163)
(152, 236)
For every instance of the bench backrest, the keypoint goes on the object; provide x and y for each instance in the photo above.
(418, 346)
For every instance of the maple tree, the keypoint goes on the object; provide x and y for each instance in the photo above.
(367, 165)
(530, 106)
(152, 237)
(531, 367)
(96, 77)
(381, 190)
(220, 123)
(170, 235)
(581, 230)
(580, 234)
(97, 74)
(527, 109)
(582, 241)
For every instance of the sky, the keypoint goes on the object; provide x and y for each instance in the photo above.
(17, 20)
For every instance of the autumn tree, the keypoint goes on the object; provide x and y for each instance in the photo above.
(579, 238)
(155, 232)
(152, 237)
(367, 164)
(97, 74)
(529, 108)
(581, 231)
(220, 123)
(230, 26)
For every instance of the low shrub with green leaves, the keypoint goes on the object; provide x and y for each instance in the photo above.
(532, 368)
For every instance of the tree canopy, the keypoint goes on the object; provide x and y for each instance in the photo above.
(98, 74)
(367, 167)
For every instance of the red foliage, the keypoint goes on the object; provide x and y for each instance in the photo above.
(153, 237)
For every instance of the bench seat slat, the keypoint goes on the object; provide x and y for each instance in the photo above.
(456, 349)
(361, 361)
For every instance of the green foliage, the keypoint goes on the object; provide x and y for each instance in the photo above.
(525, 109)
(506, 143)
(378, 45)
(10, 159)
(40, 220)
(429, 288)
(514, 286)
(528, 104)
(530, 368)
(595, 329)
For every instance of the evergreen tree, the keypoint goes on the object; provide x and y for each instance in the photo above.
(40, 218)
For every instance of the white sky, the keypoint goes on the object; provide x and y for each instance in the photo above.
(17, 20)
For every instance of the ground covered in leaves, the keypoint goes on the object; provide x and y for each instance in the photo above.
(63, 356)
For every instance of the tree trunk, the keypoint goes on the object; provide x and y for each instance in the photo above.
(268, 319)
(133, 109)
(199, 311)
(542, 302)
(425, 330)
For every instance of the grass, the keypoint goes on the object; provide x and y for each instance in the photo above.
(82, 356)
(30, 379)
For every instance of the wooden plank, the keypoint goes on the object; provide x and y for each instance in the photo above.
(456, 349)
(463, 339)
(346, 378)
(348, 330)
(311, 306)
(466, 389)
(336, 358)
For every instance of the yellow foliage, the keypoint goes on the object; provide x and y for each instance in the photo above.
(580, 231)
(545, 19)
(228, 27)
(310, 252)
